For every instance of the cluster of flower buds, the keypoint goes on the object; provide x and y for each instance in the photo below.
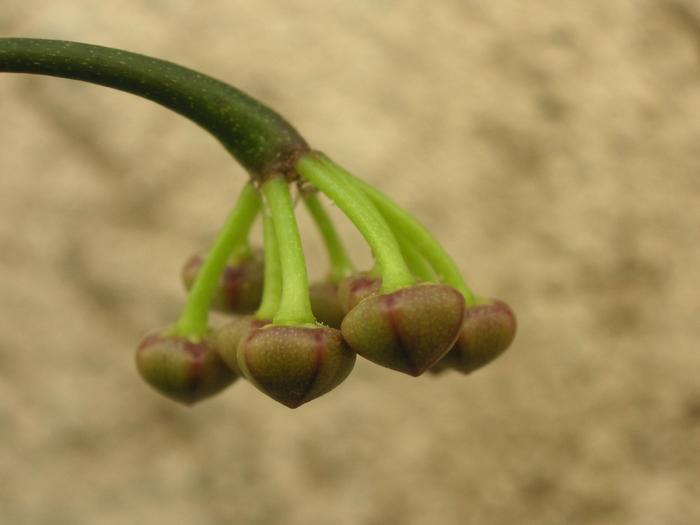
(412, 312)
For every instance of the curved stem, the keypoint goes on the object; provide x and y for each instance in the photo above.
(340, 263)
(315, 168)
(194, 320)
(416, 262)
(272, 286)
(429, 247)
(295, 305)
(260, 139)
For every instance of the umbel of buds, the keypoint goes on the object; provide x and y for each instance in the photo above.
(295, 342)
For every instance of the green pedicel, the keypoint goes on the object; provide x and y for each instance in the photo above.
(340, 263)
(272, 288)
(194, 321)
(295, 306)
(359, 209)
(409, 227)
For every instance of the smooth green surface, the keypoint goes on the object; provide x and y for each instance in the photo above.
(260, 139)
(194, 320)
(416, 262)
(272, 287)
(408, 227)
(295, 305)
(316, 169)
(340, 264)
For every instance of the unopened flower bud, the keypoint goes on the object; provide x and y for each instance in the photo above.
(354, 288)
(227, 338)
(295, 364)
(182, 369)
(325, 303)
(407, 330)
(487, 331)
(240, 287)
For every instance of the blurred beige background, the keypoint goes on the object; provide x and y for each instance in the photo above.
(552, 145)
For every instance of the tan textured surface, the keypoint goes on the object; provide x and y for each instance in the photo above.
(553, 145)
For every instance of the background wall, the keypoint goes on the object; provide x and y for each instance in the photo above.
(552, 145)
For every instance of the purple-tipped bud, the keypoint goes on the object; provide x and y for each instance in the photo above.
(180, 369)
(325, 303)
(295, 364)
(228, 337)
(240, 286)
(487, 331)
(408, 330)
(354, 288)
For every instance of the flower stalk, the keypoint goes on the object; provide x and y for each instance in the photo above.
(194, 320)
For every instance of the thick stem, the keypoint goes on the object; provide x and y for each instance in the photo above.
(338, 258)
(260, 139)
(295, 305)
(194, 320)
(315, 168)
(272, 287)
(445, 267)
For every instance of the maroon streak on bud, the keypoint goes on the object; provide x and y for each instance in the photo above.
(325, 303)
(180, 369)
(407, 330)
(240, 286)
(354, 288)
(487, 331)
(228, 337)
(295, 364)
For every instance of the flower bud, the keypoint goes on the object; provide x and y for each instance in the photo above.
(228, 337)
(295, 364)
(487, 331)
(240, 287)
(325, 303)
(407, 330)
(354, 288)
(180, 368)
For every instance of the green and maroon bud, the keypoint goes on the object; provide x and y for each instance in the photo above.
(240, 287)
(325, 303)
(487, 331)
(407, 330)
(180, 368)
(227, 338)
(295, 364)
(354, 288)
(445, 364)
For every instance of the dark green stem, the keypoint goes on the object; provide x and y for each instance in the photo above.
(194, 320)
(340, 263)
(295, 305)
(260, 139)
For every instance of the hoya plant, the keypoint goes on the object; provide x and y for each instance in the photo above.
(411, 312)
